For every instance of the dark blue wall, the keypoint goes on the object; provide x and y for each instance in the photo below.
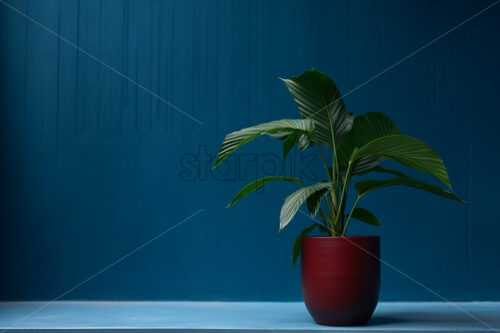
(94, 166)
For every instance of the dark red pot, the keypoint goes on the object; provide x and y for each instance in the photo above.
(340, 279)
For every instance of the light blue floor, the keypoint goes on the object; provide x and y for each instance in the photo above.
(215, 316)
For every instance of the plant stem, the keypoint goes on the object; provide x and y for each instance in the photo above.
(324, 162)
(330, 213)
(325, 225)
(335, 167)
(332, 210)
(333, 195)
(340, 215)
(350, 215)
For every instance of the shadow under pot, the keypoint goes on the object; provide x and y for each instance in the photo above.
(341, 278)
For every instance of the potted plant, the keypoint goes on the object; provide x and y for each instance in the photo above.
(340, 274)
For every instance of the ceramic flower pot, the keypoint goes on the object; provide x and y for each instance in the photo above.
(341, 278)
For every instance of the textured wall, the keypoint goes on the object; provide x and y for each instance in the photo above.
(92, 166)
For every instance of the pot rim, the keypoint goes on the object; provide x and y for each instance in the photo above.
(341, 237)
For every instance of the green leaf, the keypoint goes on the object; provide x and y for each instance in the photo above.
(374, 138)
(296, 199)
(280, 135)
(237, 139)
(318, 98)
(366, 216)
(368, 185)
(304, 143)
(365, 129)
(290, 141)
(385, 170)
(257, 184)
(408, 151)
(297, 245)
(314, 201)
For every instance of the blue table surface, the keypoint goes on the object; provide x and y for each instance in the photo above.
(240, 316)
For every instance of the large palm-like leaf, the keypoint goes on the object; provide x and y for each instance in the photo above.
(303, 143)
(297, 199)
(289, 142)
(290, 139)
(366, 128)
(408, 151)
(364, 215)
(314, 201)
(380, 169)
(318, 98)
(237, 139)
(368, 185)
(374, 138)
(259, 183)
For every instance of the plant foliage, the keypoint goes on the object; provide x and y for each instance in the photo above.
(358, 145)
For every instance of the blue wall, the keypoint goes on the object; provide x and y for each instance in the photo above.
(93, 166)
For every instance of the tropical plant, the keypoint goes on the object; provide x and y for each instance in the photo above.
(358, 146)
